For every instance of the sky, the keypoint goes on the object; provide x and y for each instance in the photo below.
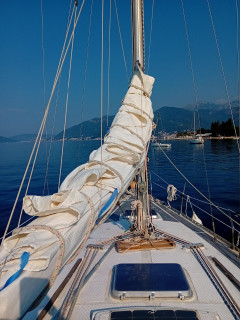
(22, 94)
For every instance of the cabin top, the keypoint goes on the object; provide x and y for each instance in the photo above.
(173, 283)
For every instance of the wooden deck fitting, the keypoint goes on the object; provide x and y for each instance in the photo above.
(137, 243)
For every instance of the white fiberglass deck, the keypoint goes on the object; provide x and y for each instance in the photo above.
(95, 299)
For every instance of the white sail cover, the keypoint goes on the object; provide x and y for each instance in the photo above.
(87, 193)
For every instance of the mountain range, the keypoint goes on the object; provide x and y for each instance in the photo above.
(168, 119)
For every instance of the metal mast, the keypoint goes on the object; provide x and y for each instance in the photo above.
(138, 59)
(137, 34)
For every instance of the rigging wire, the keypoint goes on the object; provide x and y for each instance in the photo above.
(101, 156)
(180, 194)
(191, 64)
(197, 106)
(43, 59)
(85, 73)
(30, 219)
(30, 177)
(44, 83)
(150, 37)
(66, 107)
(199, 208)
(109, 53)
(120, 34)
(209, 200)
(223, 73)
(55, 110)
(34, 161)
(52, 135)
(40, 132)
(238, 82)
(102, 78)
(143, 35)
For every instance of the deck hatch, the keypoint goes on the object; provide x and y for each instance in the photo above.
(154, 280)
(154, 315)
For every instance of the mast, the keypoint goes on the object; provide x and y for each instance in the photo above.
(194, 125)
(137, 34)
(138, 59)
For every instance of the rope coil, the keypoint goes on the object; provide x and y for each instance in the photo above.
(171, 191)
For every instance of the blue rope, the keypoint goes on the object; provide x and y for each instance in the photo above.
(110, 201)
(24, 260)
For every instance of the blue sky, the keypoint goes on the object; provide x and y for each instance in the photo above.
(21, 76)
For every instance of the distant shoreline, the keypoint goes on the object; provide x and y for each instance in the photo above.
(98, 139)
(205, 138)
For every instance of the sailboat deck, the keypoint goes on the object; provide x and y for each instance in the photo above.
(95, 299)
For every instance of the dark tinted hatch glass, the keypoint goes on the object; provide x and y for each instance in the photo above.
(150, 277)
(154, 315)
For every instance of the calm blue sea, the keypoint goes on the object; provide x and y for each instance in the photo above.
(221, 162)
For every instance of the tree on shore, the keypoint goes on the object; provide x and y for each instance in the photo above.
(225, 128)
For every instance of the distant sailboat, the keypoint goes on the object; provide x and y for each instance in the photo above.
(157, 144)
(197, 139)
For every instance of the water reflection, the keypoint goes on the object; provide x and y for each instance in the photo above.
(221, 157)
(222, 146)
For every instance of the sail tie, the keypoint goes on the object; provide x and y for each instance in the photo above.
(134, 106)
(89, 228)
(131, 131)
(110, 168)
(59, 262)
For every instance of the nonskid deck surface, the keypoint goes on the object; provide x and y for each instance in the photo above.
(95, 300)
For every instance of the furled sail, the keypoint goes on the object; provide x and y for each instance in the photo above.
(66, 218)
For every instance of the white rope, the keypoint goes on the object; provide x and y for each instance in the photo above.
(171, 191)
(223, 73)
(120, 34)
(40, 132)
(66, 107)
